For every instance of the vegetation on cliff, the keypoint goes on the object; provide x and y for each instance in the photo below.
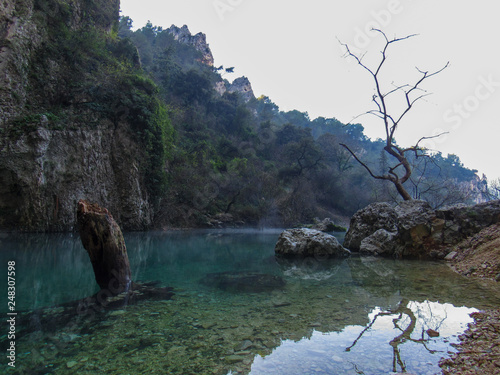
(73, 84)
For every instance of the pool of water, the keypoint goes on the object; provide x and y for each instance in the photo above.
(351, 316)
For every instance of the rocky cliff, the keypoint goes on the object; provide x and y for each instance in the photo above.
(242, 86)
(198, 41)
(76, 120)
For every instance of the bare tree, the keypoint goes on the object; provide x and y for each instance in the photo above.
(401, 171)
(493, 190)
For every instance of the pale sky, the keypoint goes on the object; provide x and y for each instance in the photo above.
(290, 52)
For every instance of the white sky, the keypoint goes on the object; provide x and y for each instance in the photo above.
(290, 52)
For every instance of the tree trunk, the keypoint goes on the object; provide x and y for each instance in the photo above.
(103, 239)
(402, 191)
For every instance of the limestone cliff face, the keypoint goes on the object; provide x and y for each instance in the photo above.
(198, 41)
(49, 160)
(45, 172)
(18, 38)
(240, 85)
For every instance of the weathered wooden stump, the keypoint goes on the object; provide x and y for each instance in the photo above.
(103, 239)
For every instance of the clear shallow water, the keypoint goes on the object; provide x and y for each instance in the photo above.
(355, 316)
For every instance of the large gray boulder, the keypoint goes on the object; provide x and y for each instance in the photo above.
(381, 243)
(365, 222)
(413, 229)
(306, 242)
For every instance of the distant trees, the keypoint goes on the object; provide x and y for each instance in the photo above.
(401, 170)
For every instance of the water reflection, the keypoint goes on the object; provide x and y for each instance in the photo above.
(392, 341)
(51, 269)
(356, 315)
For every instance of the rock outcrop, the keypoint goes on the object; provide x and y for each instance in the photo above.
(305, 242)
(103, 239)
(198, 41)
(243, 87)
(413, 229)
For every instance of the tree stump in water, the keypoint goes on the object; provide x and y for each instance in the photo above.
(103, 239)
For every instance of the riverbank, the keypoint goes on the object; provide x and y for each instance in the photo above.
(479, 348)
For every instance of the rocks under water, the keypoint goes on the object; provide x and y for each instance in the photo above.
(249, 282)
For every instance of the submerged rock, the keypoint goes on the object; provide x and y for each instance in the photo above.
(305, 242)
(311, 268)
(249, 282)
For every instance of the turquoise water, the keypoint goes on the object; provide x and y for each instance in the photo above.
(354, 316)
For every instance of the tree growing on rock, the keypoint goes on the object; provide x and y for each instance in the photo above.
(401, 170)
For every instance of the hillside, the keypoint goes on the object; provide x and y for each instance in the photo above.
(143, 123)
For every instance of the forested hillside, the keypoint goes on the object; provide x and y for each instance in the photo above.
(239, 159)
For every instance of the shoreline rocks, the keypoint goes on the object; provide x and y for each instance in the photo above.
(412, 229)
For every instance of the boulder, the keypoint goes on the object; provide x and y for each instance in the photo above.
(365, 222)
(380, 243)
(305, 242)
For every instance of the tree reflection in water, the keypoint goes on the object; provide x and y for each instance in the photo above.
(406, 317)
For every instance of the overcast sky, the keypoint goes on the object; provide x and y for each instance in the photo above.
(290, 51)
